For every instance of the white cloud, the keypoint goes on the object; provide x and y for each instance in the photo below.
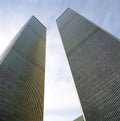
(60, 94)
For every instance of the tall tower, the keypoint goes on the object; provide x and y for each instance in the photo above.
(22, 71)
(94, 58)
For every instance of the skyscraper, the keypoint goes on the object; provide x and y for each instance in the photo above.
(94, 58)
(22, 72)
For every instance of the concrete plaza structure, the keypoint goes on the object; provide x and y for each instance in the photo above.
(22, 72)
(94, 58)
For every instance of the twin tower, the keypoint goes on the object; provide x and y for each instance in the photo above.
(94, 59)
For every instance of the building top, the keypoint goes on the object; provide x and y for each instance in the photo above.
(37, 26)
(67, 15)
(31, 31)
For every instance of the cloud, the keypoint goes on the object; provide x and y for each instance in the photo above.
(60, 95)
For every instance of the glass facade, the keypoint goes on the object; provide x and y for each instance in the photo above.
(22, 72)
(94, 58)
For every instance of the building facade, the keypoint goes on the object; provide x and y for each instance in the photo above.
(22, 71)
(94, 58)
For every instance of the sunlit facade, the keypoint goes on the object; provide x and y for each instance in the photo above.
(94, 58)
(22, 73)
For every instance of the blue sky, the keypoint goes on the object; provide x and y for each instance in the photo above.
(61, 100)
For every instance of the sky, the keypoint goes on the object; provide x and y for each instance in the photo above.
(61, 99)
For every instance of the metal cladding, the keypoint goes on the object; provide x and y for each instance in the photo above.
(22, 71)
(94, 58)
